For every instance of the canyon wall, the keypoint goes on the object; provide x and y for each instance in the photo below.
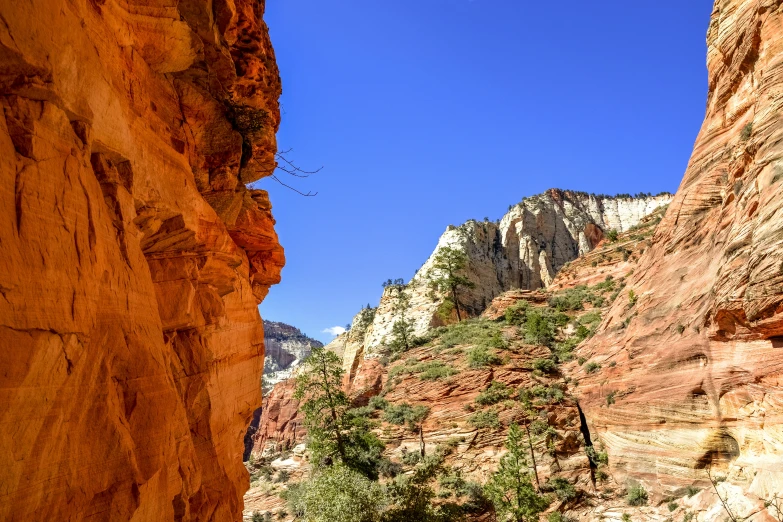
(524, 250)
(693, 351)
(132, 255)
(285, 348)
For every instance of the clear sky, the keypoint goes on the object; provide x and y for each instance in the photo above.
(426, 113)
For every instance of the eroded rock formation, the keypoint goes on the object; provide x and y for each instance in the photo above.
(698, 369)
(132, 255)
(524, 250)
(286, 347)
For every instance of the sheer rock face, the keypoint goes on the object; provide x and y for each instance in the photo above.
(523, 251)
(699, 368)
(286, 347)
(132, 257)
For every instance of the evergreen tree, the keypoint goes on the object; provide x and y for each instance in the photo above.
(402, 329)
(335, 432)
(445, 275)
(510, 488)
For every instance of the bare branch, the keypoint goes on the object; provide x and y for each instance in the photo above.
(308, 195)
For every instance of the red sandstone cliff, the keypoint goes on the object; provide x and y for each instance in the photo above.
(132, 257)
(699, 367)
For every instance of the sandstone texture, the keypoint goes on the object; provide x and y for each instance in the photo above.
(132, 255)
(695, 341)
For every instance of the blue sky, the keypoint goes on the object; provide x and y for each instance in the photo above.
(425, 113)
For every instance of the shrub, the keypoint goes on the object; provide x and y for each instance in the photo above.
(378, 403)
(388, 468)
(597, 457)
(496, 392)
(582, 360)
(688, 517)
(592, 367)
(258, 517)
(435, 370)
(539, 329)
(610, 398)
(405, 413)
(672, 506)
(680, 329)
(637, 496)
(484, 419)
(410, 458)
(516, 314)
(544, 365)
(475, 332)
(626, 517)
(612, 235)
(562, 488)
(283, 476)
(481, 356)
(547, 394)
(691, 490)
(337, 494)
(632, 297)
(747, 130)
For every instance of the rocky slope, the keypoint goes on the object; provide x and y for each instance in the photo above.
(524, 250)
(132, 255)
(699, 363)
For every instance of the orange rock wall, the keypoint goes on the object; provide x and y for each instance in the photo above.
(132, 257)
(698, 369)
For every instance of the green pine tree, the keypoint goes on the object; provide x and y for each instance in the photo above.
(445, 276)
(510, 488)
(335, 432)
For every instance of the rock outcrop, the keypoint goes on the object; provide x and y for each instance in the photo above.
(132, 255)
(695, 342)
(286, 347)
(524, 250)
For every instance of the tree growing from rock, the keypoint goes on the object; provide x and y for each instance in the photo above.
(510, 488)
(335, 432)
(446, 277)
(402, 329)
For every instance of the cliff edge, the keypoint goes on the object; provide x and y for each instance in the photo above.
(132, 255)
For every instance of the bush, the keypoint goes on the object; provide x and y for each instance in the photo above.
(496, 392)
(691, 490)
(481, 356)
(484, 419)
(672, 506)
(378, 403)
(546, 394)
(337, 494)
(410, 458)
(435, 370)
(516, 314)
(388, 468)
(544, 365)
(405, 413)
(539, 329)
(475, 332)
(563, 489)
(592, 367)
(637, 496)
(612, 235)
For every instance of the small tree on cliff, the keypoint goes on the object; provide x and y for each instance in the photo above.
(402, 329)
(445, 275)
(334, 431)
(510, 488)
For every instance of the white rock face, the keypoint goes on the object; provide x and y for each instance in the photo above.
(286, 347)
(525, 249)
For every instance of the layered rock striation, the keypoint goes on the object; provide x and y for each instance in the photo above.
(695, 343)
(132, 255)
